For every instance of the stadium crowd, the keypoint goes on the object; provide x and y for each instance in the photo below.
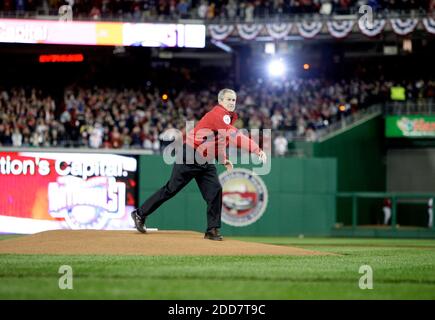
(139, 118)
(207, 9)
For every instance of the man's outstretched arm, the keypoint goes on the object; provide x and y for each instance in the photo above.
(245, 143)
(235, 138)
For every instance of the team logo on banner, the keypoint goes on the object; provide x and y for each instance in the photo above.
(244, 197)
(86, 204)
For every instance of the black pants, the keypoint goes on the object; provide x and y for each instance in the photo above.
(208, 182)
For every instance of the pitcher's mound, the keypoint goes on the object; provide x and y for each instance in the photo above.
(161, 243)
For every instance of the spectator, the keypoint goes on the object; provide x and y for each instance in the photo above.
(126, 138)
(249, 12)
(387, 210)
(138, 118)
(310, 135)
(211, 11)
(96, 137)
(231, 9)
(7, 136)
(20, 6)
(95, 13)
(17, 138)
(202, 10)
(245, 10)
(281, 145)
(183, 9)
(277, 119)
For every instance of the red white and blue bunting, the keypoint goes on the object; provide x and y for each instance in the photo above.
(309, 29)
(249, 31)
(340, 29)
(278, 30)
(403, 27)
(220, 32)
(429, 24)
(337, 28)
(377, 27)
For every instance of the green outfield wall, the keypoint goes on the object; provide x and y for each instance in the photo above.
(301, 199)
(361, 166)
(359, 150)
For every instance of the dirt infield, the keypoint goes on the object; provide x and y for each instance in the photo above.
(159, 243)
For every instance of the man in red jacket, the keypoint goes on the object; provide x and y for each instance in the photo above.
(204, 144)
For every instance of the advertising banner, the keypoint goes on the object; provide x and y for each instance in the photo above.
(49, 191)
(102, 33)
(410, 126)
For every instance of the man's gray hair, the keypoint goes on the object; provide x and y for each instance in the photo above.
(221, 94)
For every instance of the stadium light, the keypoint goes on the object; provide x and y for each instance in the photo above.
(276, 68)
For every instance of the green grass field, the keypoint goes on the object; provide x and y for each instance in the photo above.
(402, 269)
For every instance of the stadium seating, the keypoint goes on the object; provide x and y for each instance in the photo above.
(141, 10)
(137, 118)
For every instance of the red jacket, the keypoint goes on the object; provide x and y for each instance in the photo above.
(216, 130)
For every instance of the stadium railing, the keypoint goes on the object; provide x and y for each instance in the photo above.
(410, 107)
(349, 120)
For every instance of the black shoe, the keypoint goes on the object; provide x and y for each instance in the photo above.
(139, 222)
(213, 234)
